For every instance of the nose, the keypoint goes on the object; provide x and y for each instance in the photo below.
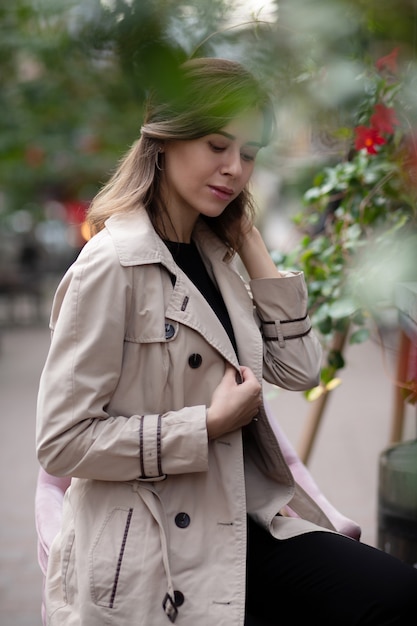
(232, 164)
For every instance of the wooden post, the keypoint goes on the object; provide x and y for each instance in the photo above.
(309, 433)
(401, 376)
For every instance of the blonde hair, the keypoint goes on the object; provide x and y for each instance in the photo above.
(209, 93)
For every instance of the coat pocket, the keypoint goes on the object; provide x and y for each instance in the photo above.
(106, 559)
(59, 587)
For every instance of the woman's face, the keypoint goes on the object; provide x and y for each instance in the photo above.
(202, 176)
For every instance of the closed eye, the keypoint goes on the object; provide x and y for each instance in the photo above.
(215, 147)
(247, 157)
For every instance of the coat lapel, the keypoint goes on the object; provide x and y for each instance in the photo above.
(137, 243)
(236, 297)
(189, 307)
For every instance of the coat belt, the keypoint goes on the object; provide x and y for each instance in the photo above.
(153, 503)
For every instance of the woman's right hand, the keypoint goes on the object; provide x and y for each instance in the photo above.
(233, 404)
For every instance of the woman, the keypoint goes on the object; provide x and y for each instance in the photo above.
(151, 395)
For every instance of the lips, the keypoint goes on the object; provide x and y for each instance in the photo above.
(223, 193)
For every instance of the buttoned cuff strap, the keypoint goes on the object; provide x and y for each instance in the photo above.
(282, 330)
(150, 448)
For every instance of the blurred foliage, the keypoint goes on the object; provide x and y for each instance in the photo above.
(360, 216)
(74, 77)
(75, 73)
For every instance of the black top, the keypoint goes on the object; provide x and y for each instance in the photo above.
(187, 257)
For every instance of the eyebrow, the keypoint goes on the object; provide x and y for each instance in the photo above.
(233, 138)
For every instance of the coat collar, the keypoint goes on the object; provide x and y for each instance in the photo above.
(137, 243)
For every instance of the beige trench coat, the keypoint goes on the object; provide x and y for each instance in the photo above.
(156, 512)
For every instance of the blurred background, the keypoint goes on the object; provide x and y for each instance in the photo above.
(336, 194)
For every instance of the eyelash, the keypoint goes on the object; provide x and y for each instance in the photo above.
(245, 157)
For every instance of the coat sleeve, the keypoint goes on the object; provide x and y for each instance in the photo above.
(75, 436)
(292, 352)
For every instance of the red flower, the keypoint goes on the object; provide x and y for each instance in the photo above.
(368, 138)
(388, 62)
(384, 119)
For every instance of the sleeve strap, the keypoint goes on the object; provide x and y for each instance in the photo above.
(150, 454)
(282, 330)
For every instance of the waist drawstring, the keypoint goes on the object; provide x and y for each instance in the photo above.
(150, 498)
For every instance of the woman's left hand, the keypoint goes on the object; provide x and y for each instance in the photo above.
(255, 256)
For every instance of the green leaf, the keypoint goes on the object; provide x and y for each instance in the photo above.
(359, 318)
(325, 326)
(359, 336)
(315, 393)
(342, 308)
(335, 359)
(332, 384)
(327, 374)
(341, 325)
(313, 194)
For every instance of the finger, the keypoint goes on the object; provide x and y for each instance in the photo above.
(244, 373)
(229, 371)
(250, 379)
(247, 373)
(232, 375)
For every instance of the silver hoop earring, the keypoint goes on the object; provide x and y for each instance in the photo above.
(157, 159)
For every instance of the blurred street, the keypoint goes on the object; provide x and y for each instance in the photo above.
(344, 461)
(22, 352)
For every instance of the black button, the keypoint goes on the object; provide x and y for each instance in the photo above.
(169, 331)
(178, 598)
(195, 361)
(182, 520)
